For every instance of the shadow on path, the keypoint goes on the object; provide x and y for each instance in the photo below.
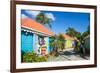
(67, 53)
(70, 53)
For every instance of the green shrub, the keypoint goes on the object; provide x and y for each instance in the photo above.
(40, 59)
(32, 57)
(22, 53)
(77, 49)
(29, 56)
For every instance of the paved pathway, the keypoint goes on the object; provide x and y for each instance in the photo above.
(67, 55)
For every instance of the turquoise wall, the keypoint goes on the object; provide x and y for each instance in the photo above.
(51, 48)
(26, 41)
(47, 44)
(29, 42)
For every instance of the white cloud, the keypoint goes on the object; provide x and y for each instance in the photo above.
(24, 16)
(34, 13)
(51, 16)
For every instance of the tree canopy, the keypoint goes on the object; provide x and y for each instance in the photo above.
(43, 19)
(73, 33)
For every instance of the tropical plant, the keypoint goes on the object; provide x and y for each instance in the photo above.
(40, 59)
(86, 33)
(29, 57)
(32, 57)
(61, 41)
(58, 43)
(71, 32)
(22, 53)
(78, 35)
(43, 19)
(54, 45)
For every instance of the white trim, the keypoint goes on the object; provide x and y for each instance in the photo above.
(20, 65)
(38, 32)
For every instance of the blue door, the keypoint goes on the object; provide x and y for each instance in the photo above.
(26, 41)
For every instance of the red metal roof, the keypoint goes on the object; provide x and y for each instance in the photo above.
(32, 24)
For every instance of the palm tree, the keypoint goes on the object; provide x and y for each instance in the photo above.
(43, 19)
(86, 33)
(58, 43)
(71, 31)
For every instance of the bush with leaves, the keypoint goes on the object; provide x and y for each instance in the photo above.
(40, 59)
(29, 56)
(33, 57)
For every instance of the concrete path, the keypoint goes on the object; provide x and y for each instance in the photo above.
(67, 55)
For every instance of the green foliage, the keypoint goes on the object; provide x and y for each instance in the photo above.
(71, 31)
(40, 59)
(86, 33)
(29, 56)
(61, 38)
(78, 35)
(61, 41)
(77, 48)
(58, 42)
(43, 19)
(22, 53)
(32, 57)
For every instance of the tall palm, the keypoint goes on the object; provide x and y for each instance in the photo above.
(71, 31)
(43, 19)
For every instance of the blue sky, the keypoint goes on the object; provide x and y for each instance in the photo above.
(63, 20)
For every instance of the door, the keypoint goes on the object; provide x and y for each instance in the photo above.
(26, 41)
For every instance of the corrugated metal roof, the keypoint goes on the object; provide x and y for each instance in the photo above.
(32, 24)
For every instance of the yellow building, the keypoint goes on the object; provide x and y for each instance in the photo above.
(68, 41)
